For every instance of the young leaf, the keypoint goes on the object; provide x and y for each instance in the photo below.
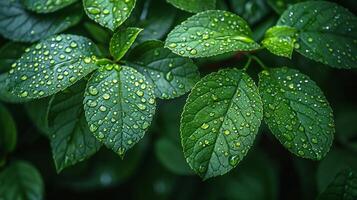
(122, 41)
(108, 13)
(46, 6)
(119, 105)
(13, 17)
(280, 40)
(71, 140)
(220, 120)
(297, 112)
(8, 133)
(320, 28)
(194, 6)
(211, 33)
(171, 74)
(343, 187)
(21, 181)
(52, 65)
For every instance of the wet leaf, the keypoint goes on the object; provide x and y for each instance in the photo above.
(20, 180)
(211, 33)
(71, 139)
(320, 28)
(171, 74)
(108, 13)
(52, 65)
(194, 6)
(122, 41)
(46, 6)
(38, 26)
(119, 106)
(220, 121)
(297, 112)
(280, 40)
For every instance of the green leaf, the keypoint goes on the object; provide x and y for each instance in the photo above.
(71, 140)
(97, 32)
(46, 6)
(320, 28)
(343, 187)
(193, 6)
(108, 13)
(37, 26)
(280, 40)
(52, 65)
(297, 112)
(119, 105)
(8, 133)
(122, 41)
(171, 74)
(170, 155)
(21, 181)
(211, 33)
(220, 121)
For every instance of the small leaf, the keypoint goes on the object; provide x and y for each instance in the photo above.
(46, 6)
(220, 120)
(8, 133)
(71, 140)
(211, 33)
(52, 65)
(170, 155)
(171, 74)
(122, 41)
(108, 13)
(37, 26)
(297, 112)
(280, 40)
(194, 6)
(344, 187)
(21, 181)
(320, 28)
(119, 105)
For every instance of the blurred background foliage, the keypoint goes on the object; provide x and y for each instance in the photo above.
(156, 168)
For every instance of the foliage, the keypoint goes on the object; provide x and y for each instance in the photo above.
(95, 76)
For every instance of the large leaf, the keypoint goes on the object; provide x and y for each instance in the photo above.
(13, 17)
(344, 187)
(171, 74)
(21, 181)
(194, 6)
(327, 32)
(9, 53)
(220, 121)
(297, 112)
(52, 65)
(122, 41)
(37, 111)
(71, 140)
(46, 6)
(108, 13)
(211, 33)
(8, 133)
(119, 106)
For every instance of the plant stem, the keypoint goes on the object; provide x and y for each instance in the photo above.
(258, 61)
(247, 64)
